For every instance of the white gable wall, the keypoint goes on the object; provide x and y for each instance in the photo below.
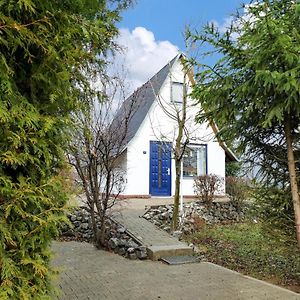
(157, 126)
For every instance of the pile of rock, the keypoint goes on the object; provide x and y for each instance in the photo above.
(120, 242)
(81, 226)
(117, 238)
(194, 215)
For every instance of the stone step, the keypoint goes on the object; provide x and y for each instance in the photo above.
(156, 252)
(180, 260)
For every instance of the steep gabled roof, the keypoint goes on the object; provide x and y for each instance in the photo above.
(142, 99)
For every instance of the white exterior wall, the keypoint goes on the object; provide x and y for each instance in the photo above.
(158, 124)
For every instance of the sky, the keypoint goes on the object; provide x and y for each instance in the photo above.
(151, 32)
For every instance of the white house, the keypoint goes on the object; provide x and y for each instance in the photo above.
(147, 160)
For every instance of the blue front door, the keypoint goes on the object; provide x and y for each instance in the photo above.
(160, 169)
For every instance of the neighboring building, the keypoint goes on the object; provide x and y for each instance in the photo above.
(147, 160)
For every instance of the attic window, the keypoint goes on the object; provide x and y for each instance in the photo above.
(177, 92)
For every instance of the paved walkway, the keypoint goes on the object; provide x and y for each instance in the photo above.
(87, 273)
(143, 230)
(140, 203)
(158, 242)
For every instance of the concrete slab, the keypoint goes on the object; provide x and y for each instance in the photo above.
(156, 252)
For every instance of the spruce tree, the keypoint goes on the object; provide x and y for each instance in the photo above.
(253, 91)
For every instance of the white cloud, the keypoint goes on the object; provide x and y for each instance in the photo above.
(225, 25)
(143, 55)
(246, 17)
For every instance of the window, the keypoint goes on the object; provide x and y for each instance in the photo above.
(177, 92)
(194, 160)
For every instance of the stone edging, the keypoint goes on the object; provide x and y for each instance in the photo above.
(118, 238)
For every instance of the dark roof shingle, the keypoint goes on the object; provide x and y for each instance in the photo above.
(142, 99)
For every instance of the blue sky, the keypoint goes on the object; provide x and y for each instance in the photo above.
(168, 18)
(151, 32)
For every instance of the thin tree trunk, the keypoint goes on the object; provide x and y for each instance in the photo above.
(101, 237)
(94, 224)
(293, 176)
(178, 158)
(179, 155)
(102, 232)
(176, 196)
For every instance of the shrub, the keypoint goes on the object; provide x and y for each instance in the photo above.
(273, 206)
(49, 53)
(199, 222)
(237, 190)
(205, 187)
(232, 168)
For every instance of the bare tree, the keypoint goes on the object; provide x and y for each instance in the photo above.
(98, 143)
(181, 141)
(177, 112)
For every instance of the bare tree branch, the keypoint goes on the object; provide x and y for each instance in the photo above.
(98, 143)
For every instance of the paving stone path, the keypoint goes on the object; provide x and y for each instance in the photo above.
(144, 230)
(158, 242)
(87, 273)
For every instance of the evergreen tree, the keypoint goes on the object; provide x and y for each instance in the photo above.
(253, 91)
(49, 50)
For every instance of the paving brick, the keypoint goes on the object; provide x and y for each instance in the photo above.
(96, 274)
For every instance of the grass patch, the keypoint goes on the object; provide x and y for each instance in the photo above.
(249, 249)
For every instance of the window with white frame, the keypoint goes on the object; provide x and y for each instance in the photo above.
(195, 161)
(177, 92)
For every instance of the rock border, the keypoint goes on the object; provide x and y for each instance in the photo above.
(118, 239)
(194, 215)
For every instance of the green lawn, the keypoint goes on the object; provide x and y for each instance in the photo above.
(250, 250)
